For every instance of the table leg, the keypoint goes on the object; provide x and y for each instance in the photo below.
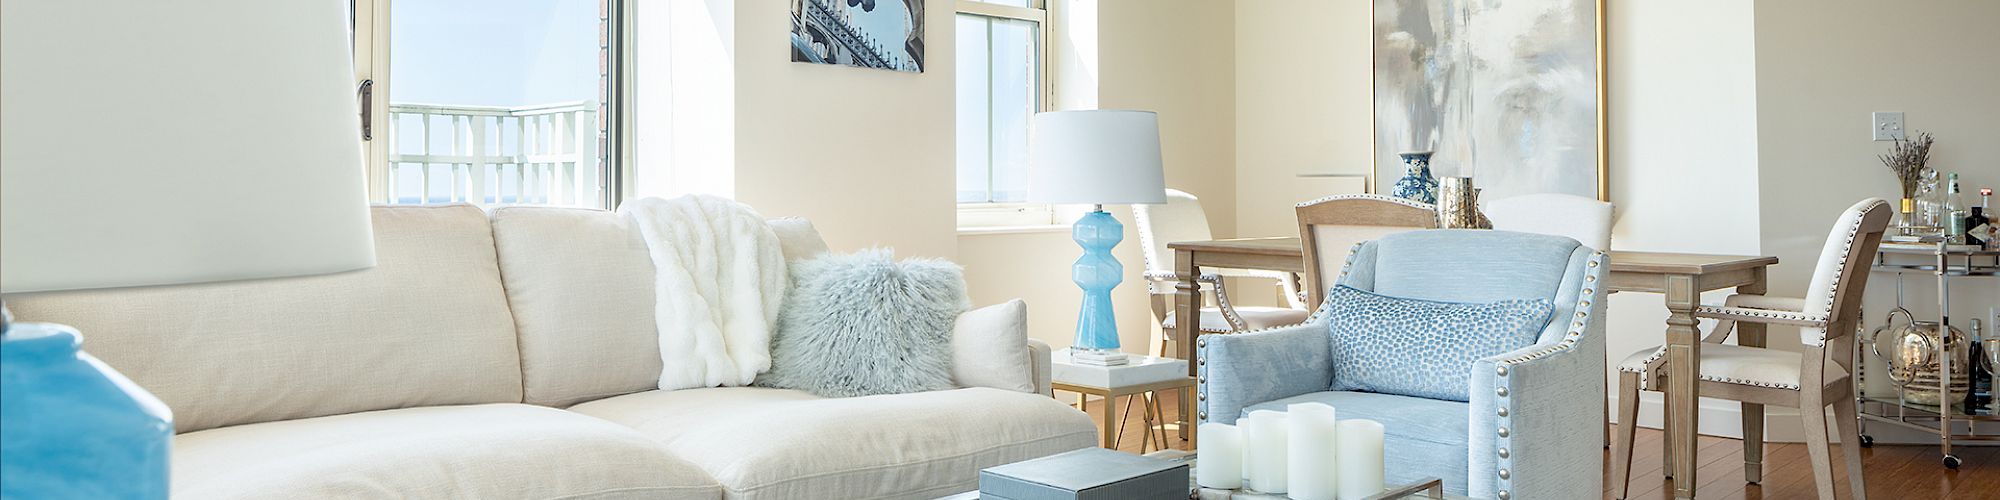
(1187, 324)
(1683, 368)
(1751, 334)
(1110, 433)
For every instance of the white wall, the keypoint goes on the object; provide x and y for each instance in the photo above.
(1303, 103)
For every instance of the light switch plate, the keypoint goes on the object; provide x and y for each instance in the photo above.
(1888, 125)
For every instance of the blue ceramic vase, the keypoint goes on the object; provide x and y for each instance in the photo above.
(1417, 183)
(75, 428)
(1097, 272)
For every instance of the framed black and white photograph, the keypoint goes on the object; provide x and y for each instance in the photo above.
(885, 34)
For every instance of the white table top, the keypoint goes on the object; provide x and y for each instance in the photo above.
(1138, 370)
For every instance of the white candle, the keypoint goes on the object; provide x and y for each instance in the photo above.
(1312, 441)
(1360, 459)
(1264, 449)
(1220, 456)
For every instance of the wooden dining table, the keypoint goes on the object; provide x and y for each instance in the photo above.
(1681, 277)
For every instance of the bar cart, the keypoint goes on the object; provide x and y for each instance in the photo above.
(1948, 420)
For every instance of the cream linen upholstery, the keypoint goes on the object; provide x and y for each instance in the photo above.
(783, 444)
(986, 348)
(581, 288)
(427, 326)
(580, 284)
(1732, 364)
(482, 451)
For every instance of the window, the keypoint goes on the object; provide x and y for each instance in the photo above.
(490, 101)
(1002, 83)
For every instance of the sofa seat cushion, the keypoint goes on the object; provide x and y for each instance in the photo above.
(763, 443)
(1421, 437)
(482, 451)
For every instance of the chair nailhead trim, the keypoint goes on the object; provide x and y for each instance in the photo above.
(1503, 432)
(1503, 495)
(1201, 396)
(1503, 411)
(1501, 371)
(1203, 415)
(1503, 453)
(1501, 391)
(1504, 474)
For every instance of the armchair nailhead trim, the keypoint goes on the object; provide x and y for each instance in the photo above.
(1503, 413)
(1501, 371)
(1504, 474)
(1503, 453)
(1504, 496)
(1503, 432)
(1203, 415)
(1501, 391)
(1201, 396)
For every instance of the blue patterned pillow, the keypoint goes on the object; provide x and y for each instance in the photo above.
(1423, 348)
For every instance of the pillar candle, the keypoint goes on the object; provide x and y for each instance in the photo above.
(1220, 457)
(1311, 443)
(1360, 459)
(1264, 450)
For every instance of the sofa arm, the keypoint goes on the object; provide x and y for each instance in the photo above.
(1238, 370)
(1530, 407)
(1041, 369)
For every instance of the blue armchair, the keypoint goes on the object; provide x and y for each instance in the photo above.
(1524, 432)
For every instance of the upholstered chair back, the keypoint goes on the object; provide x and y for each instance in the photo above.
(1586, 220)
(1474, 265)
(1330, 226)
(1842, 269)
(1181, 218)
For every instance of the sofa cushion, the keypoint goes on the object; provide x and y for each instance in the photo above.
(763, 443)
(483, 451)
(428, 325)
(581, 288)
(1421, 437)
(1422, 348)
(580, 284)
(986, 348)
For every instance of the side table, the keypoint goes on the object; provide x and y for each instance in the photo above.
(1142, 375)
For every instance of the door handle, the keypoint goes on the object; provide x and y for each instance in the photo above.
(367, 95)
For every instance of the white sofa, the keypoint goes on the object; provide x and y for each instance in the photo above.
(513, 355)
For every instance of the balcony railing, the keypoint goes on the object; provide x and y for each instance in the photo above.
(543, 154)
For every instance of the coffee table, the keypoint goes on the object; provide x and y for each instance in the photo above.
(1429, 488)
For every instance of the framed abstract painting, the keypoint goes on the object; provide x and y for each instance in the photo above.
(1508, 92)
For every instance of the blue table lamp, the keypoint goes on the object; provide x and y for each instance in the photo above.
(1096, 157)
(157, 143)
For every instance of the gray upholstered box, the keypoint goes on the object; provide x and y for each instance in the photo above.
(1086, 474)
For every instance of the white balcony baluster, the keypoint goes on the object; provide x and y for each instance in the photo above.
(554, 154)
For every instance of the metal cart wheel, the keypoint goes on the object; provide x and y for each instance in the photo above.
(1951, 462)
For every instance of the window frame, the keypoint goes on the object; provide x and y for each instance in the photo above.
(989, 214)
(369, 25)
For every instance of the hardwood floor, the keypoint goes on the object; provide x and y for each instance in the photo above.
(1894, 472)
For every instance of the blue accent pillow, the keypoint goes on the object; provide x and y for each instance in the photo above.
(1423, 348)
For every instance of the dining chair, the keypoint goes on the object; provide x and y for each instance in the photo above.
(1809, 380)
(1182, 218)
(1586, 220)
(1330, 226)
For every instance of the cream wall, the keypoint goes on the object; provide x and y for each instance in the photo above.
(1170, 56)
(1822, 67)
(1302, 106)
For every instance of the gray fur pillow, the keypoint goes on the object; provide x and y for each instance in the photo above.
(863, 323)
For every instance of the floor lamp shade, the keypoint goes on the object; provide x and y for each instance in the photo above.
(147, 142)
(150, 143)
(1096, 157)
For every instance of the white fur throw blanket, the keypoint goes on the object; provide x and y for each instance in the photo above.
(719, 279)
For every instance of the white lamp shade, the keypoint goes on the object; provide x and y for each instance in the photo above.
(145, 142)
(1096, 157)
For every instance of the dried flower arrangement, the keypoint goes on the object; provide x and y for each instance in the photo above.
(1907, 159)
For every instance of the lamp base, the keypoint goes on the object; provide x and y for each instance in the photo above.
(1097, 357)
(75, 427)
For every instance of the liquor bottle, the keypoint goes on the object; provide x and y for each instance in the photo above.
(1980, 380)
(1982, 225)
(1954, 212)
